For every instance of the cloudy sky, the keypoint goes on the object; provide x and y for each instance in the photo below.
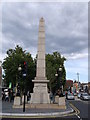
(66, 28)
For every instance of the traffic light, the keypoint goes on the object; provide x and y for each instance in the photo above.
(24, 68)
(25, 64)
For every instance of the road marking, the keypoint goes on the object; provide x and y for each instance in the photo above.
(76, 111)
(78, 116)
(28, 117)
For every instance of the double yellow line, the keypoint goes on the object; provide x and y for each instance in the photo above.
(76, 111)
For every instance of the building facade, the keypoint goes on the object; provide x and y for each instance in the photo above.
(0, 73)
(68, 85)
(86, 87)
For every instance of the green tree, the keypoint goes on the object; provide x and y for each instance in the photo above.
(16, 57)
(53, 62)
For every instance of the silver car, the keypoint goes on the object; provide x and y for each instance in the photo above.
(85, 96)
(70, 96)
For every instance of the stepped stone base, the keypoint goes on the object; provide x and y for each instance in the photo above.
(56, 99)
(42, 106)
(40, 92)
(40, 98)
(62, 101)
(17, 101)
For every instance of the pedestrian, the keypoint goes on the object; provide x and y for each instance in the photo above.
(6, 96)
(51, 97)
(66, 94)
(10, 95)
(28, 96)
(3, 95)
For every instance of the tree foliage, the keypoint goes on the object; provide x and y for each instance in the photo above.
(53, 62)
(16, 57)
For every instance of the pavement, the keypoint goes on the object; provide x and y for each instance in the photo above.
(9, 111)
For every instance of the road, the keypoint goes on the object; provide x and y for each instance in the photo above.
(81, 106)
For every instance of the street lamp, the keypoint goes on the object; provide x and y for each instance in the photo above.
(18, 89)
(60, 74)
(60, 68)
(78, 80)
(56, 74)
(24, 76)
(24, 69)
(19, 68)
(59, 80)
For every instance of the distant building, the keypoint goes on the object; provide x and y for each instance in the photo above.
(89, 87)
(0, 79)
(0, 73)
(86, 87)
(68, 85)
(76, 86)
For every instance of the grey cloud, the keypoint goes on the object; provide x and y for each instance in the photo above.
(66, 45)
(65, 25)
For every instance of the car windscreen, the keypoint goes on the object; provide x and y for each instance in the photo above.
(70, 94)
(85, 94)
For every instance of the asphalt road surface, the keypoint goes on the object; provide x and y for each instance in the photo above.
(81, 106)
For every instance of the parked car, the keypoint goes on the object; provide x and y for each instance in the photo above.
(85, 96)
(70, 96)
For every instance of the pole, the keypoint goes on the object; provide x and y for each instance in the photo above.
(24, 75)
(78, 80)
(24, 102)
(78, 77)
(61, 92)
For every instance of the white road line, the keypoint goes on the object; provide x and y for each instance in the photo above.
(78, 117)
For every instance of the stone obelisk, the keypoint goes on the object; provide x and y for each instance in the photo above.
(40, 90)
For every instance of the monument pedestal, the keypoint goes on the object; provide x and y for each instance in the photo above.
(62, 102)
(40, 92)
(17, 101)
(56, 99)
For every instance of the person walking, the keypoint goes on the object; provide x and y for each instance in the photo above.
(10, 95)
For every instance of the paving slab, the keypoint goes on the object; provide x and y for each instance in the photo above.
(8, 110)
(41, 106)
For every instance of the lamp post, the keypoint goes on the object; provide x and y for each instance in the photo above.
(56, 75)
(19, 68)
(78, 80)
(24, 76)
(59, 80)
(18, 91)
